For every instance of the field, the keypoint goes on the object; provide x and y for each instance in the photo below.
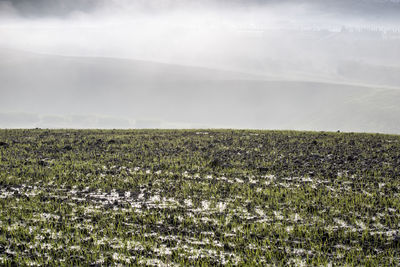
(198, 197)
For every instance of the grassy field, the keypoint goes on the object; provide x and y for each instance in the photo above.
(198, 197)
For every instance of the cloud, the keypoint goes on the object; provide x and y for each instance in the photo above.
(52, 8)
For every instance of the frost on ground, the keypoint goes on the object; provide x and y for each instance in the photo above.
(158, 198)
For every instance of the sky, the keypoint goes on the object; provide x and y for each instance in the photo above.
(305, 65)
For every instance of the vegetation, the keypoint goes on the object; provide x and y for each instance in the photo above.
(196, 197)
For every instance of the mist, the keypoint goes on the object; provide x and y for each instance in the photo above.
(306, 65)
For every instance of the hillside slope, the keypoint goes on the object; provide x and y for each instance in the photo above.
(46, 84)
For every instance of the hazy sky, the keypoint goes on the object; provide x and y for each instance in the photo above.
(211, 63)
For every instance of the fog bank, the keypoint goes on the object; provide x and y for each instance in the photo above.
(241, 64)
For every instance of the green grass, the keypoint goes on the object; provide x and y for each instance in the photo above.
(199, 197)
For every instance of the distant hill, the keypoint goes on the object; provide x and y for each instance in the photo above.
(58, 85)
